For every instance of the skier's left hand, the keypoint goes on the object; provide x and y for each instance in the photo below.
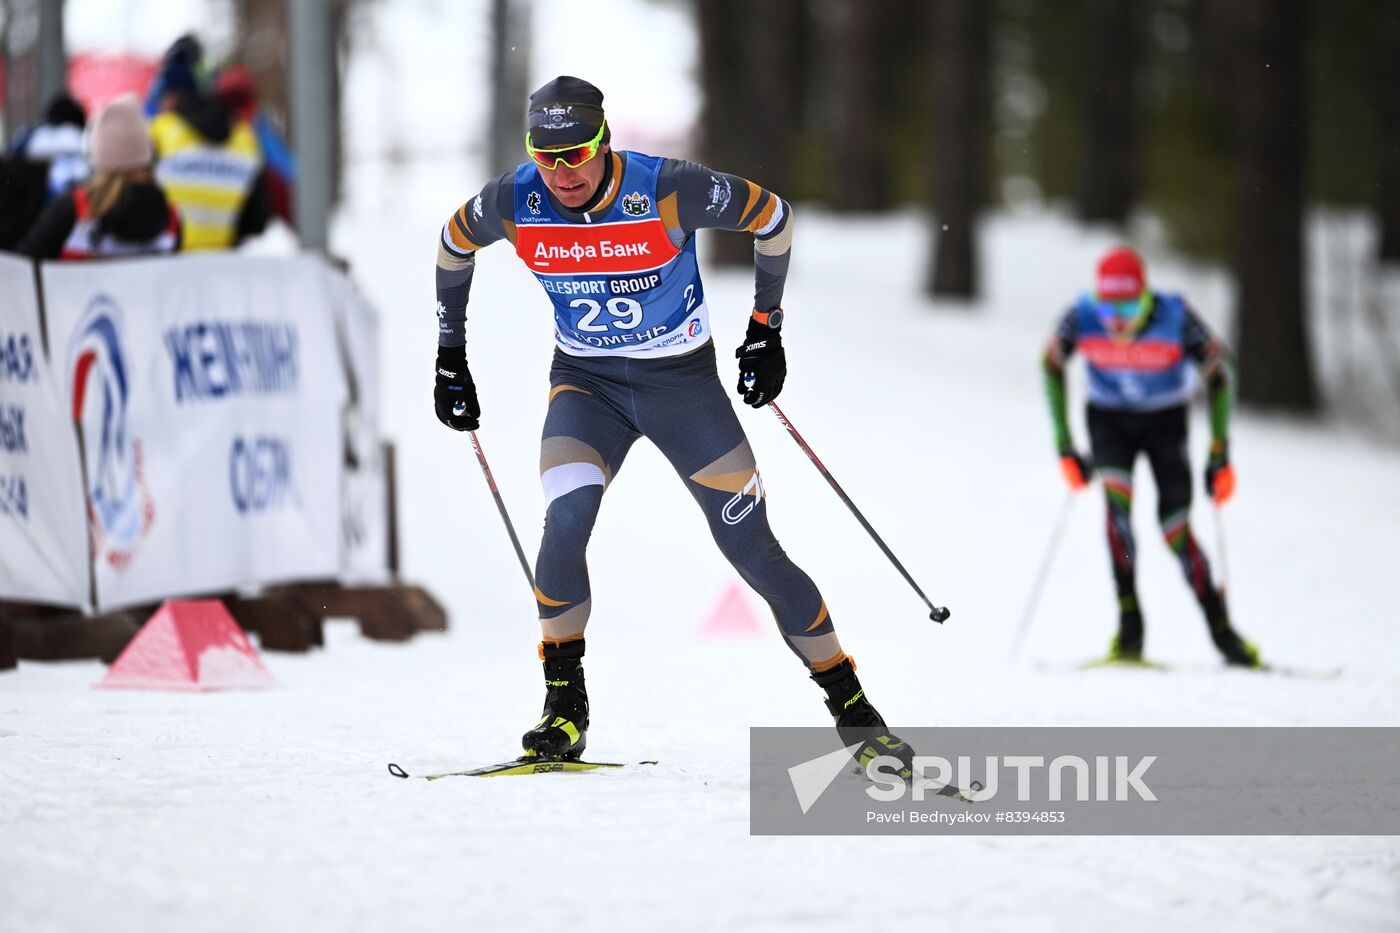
(1076, 467)
(1220, 475)
(762, 365)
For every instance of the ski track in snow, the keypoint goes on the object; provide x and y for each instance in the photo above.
(274, 810)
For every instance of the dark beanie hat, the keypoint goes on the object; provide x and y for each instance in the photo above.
(64, 109)
(567, 111)
(177, 70)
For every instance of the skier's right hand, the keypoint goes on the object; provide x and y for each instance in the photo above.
(454, 396)
(1076, 468)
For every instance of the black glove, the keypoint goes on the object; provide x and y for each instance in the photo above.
(762, 366)
(454, 396)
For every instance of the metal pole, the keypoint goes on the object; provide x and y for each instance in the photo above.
(1220, 549)
(311, 66)
(53, 62)
(938, 614)
(501, 507)
(1046, 561)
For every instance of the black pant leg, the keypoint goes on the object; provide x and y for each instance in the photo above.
(1115, 439)
(1169, 455)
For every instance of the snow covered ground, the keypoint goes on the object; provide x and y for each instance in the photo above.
(273, 810)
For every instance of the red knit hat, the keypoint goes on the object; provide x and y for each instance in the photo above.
(1120, 276)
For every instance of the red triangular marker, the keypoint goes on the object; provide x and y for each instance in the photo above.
(732, 615)
(191, 644)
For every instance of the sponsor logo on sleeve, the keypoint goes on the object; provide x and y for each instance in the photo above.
(720, 194)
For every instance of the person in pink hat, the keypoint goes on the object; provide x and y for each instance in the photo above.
(120, 210)
(1139, 345)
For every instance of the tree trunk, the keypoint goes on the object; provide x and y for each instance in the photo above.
(22, 104)
(1388, 129)
(1108, 173)
(1267, 90)
(341, 36)
(37, 70)
(262, 48)
(726, 124)
(510, 76)
(862, 180)
(961, 54)
(776, 54)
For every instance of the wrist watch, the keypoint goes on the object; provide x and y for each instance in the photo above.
(773, 319)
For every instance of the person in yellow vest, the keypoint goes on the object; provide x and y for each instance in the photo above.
(210, 165)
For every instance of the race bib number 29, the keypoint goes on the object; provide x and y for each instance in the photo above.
(626, 311)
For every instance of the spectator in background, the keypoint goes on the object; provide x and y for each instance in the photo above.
(185, 57)
(119, 211)
(58, 141)
(235, 89)
(44, 161)
(210, 166)
(22, 188)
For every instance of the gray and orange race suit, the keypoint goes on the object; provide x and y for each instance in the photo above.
(634, 359)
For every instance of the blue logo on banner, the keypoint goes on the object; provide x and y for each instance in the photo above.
(17, 358)
(259, 473)
(12, 437)
(120, 508)
(14, 495)
(213, 360)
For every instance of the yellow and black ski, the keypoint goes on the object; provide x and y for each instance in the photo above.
(520, 766)
(1142, 664)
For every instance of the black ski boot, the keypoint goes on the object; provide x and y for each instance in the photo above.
(858, 721)
(1126, 646)
(562, 731)
(1232, 646)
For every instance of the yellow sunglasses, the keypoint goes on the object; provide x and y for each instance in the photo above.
(572, 156)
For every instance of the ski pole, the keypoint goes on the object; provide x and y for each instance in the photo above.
(1043, 573)
(936, 613)
(1220, 549)
(501, 507)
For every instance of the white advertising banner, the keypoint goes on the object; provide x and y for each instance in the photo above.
(43, 532)
(364, 495)
(209, 394)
